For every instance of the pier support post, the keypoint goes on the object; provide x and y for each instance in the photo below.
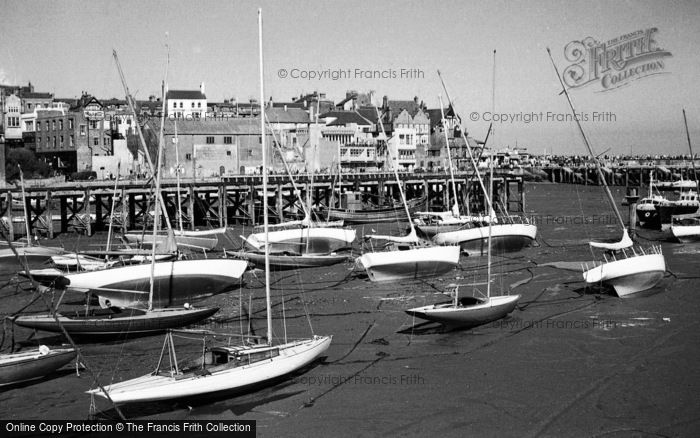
(280, 203)
(10, 226)
(49, 215)
(223, 210)
(190, 206)
(251, 204)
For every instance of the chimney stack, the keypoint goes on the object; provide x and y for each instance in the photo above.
(201, 88)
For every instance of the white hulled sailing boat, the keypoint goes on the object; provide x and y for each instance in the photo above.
(406, 257)
(626, 269)
(226, 368)
(470, 311)
(508, 233)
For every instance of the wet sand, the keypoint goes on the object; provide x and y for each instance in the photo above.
(567, 362)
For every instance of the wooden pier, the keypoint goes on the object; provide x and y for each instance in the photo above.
(86, 207)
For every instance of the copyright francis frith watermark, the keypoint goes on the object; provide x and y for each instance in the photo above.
(616, 62)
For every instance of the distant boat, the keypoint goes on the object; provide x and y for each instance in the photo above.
(307, 238)
(647, 214)
(128, 322)
(32, 364)
(366, 215)
(227, 368)
(291, 261)
(197, 240)
(686, 229)
(33, 255)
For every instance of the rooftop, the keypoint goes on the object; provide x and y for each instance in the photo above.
(185, 94)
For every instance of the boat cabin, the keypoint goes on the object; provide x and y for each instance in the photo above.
(239, 356)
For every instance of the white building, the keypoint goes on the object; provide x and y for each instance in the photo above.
(186, 104)
(12, 115)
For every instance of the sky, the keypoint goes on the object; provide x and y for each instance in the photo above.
(65, 47)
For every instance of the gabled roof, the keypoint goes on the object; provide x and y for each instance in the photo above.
(409, 105)
(345, 117)
(185, 94)
(435, 116)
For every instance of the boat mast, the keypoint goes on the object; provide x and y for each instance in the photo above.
(455, 208)
(690, 147)
(157, 169)
(396, 172)
(488, 243)
(24, 205)
(469, 151)
(111, 214)
(611, 200)
(264, 180)
(132, 107)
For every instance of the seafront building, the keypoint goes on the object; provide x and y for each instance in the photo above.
(308, 132)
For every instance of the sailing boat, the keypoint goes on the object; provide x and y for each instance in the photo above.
(406, 257)
(686, 228)
(633, 271)
(303, 236)
(177, 282)
(32, 254)
(187, 274)
(470, 311)
(201, 240)
(226, 368)
(511, 233)
(432, 223)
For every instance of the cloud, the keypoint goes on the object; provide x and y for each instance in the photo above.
(197, 50)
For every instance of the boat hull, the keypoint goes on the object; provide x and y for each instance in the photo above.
(292, 357)
(314, 240)
(504, 238)
(22, 367)
(175, 282)
(409, 264)
(375, 215)
(490, 309)
(629, 276)
(129, 322)
(291, 261)
(32, 255)
(187, 241)
(686, 233)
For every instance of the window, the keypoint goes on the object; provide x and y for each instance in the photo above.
(93, 124)
(72, 140)
(38, 125)
(82, 129)
(188, 157)
(53, 125)
(54, 142)
(61, 141)
(60, 124)
(250, 152)
(228, 140)
(210, 140)
(105, 141)
(29, 125)
(29, 106)
(180, 104)
(46, 124)
(70, 123)
(192, 104)
(199, 104)
(228, 153)
(96, 141)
